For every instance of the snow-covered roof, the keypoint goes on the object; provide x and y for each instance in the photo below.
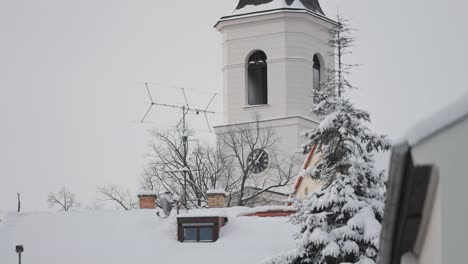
(253, 6)
(451, 114)
(138, 236)
(232, 212)
(147, 193)
(218, 191)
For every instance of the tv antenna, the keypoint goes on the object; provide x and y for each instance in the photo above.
(186, 109)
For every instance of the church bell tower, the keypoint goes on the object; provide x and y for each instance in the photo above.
(274, 53)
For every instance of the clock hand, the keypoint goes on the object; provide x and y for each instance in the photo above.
(259, 157)
(254, 158)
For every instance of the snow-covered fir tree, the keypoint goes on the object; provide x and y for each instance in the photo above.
(340, 223)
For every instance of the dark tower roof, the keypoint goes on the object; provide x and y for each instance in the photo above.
(311, 5)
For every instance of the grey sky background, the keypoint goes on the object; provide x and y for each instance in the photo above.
(72, 73)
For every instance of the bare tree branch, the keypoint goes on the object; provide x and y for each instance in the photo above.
(241, 140)
(188, 170)
(118, 195)
(63, 198)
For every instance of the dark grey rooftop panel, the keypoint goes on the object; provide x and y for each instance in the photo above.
(312, 5)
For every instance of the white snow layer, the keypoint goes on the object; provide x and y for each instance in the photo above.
(139, 236)
(276, 4)
(235, 211)
(365, 220)
(217, 191)
(147, 193)
(444, 118)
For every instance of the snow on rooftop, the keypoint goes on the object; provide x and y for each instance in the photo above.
(275, 4)
(440, 120)
(147, 193)
(233, 212)
(218, 191)
(138, 236)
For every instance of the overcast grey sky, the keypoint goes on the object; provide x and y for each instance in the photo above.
(71, 75)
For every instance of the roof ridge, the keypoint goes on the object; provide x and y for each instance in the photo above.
(254, 5)
(439, 121)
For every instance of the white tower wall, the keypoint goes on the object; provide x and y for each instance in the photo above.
(290, 39)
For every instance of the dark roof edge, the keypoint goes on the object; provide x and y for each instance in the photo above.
(266, 12)
(399, 162)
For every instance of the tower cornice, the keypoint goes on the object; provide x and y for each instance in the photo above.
(279, 121)
(237, 19)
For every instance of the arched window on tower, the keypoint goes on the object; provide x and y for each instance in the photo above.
(257, 79)
(316, 75)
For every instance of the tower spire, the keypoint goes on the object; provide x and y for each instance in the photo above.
(310, 5)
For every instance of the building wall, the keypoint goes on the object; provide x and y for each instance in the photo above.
(287, 130)
(286, 147)
(431, 247)
(290, 41)
(447, 231)
(309, 184)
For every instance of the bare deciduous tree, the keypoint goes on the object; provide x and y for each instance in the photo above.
(189, 170)
(117, 195)
(63, 198)
(238, 142)
(185, 168)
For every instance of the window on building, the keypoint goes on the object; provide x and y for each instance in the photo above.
(306, 191)
(316, 69)
(199, 228)
(190, 233)
(257, 79)
(198, 232)
(205, 233)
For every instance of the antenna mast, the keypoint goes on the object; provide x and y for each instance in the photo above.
(186, 109)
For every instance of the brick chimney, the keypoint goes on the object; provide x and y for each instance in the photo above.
(147, 200)
(216, 198)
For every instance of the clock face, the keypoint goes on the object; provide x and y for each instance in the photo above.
(259, 160)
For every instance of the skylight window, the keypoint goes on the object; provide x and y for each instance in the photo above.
(199, 229)
(198, 232)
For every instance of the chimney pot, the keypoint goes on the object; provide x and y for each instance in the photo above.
(216, 198)
(147, 200)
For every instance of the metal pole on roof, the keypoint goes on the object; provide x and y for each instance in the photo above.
(19, 202)
(19, 249)
(185, 142)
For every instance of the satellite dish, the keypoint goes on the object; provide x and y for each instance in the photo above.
(167, 205)
(168, 202)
